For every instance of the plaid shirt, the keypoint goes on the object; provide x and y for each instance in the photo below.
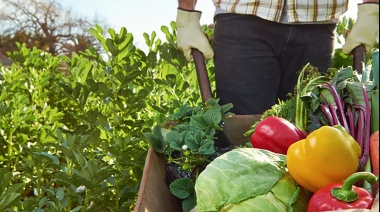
(297, 10)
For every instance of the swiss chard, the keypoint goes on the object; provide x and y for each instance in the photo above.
(343, 100)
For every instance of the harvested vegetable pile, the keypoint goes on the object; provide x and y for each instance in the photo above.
(340, 97)
(320, 141)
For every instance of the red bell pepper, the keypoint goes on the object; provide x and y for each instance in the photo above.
(275, 134)
(337, 196)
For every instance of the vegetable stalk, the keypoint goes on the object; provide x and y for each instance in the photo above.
(312, 77)
(366, 130)
(346, 193)
(344, 196)
(339, 106)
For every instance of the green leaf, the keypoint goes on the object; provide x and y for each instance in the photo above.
(212, 117)
(165, 30)
(182, 188)
(132, 74)
(80, 179)
(60, 194)
(92, 84)
(5, 178)
(14, 188)
(175, 140)
(104, 89)
(123, 54)
(9, 200)
(156, 139)
(84, 72)
(96, 34)
(198, 121)
(48, 157)
(76, 209)
(191, 142)
(94, 136)
(189, 203)
(128, 38)
(49, 192)
(356, 92)
(171, 79)
(207, 147)
(111, 47)
(112, 34)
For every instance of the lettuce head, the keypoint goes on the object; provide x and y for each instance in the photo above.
(249, 179)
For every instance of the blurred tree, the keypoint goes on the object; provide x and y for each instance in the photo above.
(46, 25)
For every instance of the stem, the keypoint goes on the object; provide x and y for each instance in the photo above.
(359, 130)
(117, 192)
(367, 168)
(367, 128)
(347, 193)
(351, 120)
(39, 176)
(301, 119)
(87, 200)
(334, 115)
(327, 113)
(10, 152)
(69, 192)
(299, 123)
(339, 105)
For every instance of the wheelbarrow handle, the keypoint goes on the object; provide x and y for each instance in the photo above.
(222, 140)
(203, 80)
(358, 54)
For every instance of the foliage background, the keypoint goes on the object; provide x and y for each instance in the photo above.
(72, 139)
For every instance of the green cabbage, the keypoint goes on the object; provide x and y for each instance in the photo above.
(249, 179)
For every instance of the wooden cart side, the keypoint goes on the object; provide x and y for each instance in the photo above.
(154, 194)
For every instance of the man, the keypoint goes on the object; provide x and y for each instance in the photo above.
(260, 45)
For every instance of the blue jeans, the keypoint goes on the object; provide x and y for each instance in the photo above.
(257, 61)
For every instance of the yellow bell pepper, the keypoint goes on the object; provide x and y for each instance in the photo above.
(327, 155)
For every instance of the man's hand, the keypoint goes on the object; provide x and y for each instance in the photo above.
(190, 34)
(365, 30)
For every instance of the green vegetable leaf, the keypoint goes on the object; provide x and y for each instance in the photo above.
(207, 147)
(156, 140)
(189, 203)
(175, 140)
(198, 121)
(182, 188)
(212, 117)
(191, 142)
(356, 92)
(327, 97)
(342, 75)
(238, 175)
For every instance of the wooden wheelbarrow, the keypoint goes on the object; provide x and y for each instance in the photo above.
(154, 194)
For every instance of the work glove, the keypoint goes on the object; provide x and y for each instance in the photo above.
(190, 34)
(365, 30)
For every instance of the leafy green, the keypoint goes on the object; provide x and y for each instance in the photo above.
(187, 140)
(246, 179)
(182, 188)
(343, 100)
